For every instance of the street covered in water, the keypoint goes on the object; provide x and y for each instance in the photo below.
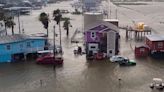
(77, 74)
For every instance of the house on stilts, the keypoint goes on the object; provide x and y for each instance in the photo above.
(18, 46)
(102, 38)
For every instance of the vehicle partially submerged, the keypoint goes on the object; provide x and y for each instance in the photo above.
(123, 61)
(47, 57)
(117, 58)
(127, 62)
(157, 83)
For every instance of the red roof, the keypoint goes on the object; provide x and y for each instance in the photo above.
(155, 37)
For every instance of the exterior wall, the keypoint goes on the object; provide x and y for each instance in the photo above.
(91, 3)
(5, 58)
(157, 47)
(35, 46)
(117, 49)
(149, 44)
(154, 45)
(20, 47)
(141, 51)
(94, 50)
(88, 38)
(111, 42)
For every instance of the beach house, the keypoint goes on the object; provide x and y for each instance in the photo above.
(102, 37)
(18, 46)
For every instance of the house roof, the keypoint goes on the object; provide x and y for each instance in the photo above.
(141, 46)
(155, 37)
(111, 20)
(100, 26)
(16, 38)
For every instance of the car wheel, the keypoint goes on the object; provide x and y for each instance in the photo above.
(151, 87)
(161, 88)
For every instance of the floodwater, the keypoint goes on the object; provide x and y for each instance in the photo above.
(77, 74)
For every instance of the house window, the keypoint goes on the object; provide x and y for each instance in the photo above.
(28, 44)
(93, 34)
(8, 47)
(142, 49)
(21, 45)
(93, 47)
(160, 45)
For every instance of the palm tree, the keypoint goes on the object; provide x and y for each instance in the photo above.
(9, 23)
(44, 19)
(57, 17)
(66, 26)
(8, 20)
(1, 15)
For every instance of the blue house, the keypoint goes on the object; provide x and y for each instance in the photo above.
(14, 47)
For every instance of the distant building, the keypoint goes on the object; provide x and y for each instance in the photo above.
(2, 1)
(141, 51)
(155, 43)
(18, 46)
(102, 37)
(91, 5)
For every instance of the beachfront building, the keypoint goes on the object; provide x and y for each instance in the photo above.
(141, 51)
(18, 46)
(2, 1)
(156, 44)
(91, 5)
(102, 37)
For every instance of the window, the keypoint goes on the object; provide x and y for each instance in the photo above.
(8, 47)
(110, 51)
(160, 45)
(93, 47)
(93, 34)
(21, 45)
(28, 44)
(142, 49)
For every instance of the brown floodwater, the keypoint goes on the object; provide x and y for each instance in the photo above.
(77, 74)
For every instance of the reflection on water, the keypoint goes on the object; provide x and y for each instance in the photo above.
(79, 76)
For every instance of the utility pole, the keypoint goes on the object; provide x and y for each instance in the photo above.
(110, 9)
(60, 37)
(23, 31)
(116, 14)
(54, 42)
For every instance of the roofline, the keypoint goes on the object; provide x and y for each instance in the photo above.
(114, 27)
(148, 37)
(19, 41)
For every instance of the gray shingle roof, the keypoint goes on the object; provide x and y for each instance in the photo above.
(155, 37)
(16, 38)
